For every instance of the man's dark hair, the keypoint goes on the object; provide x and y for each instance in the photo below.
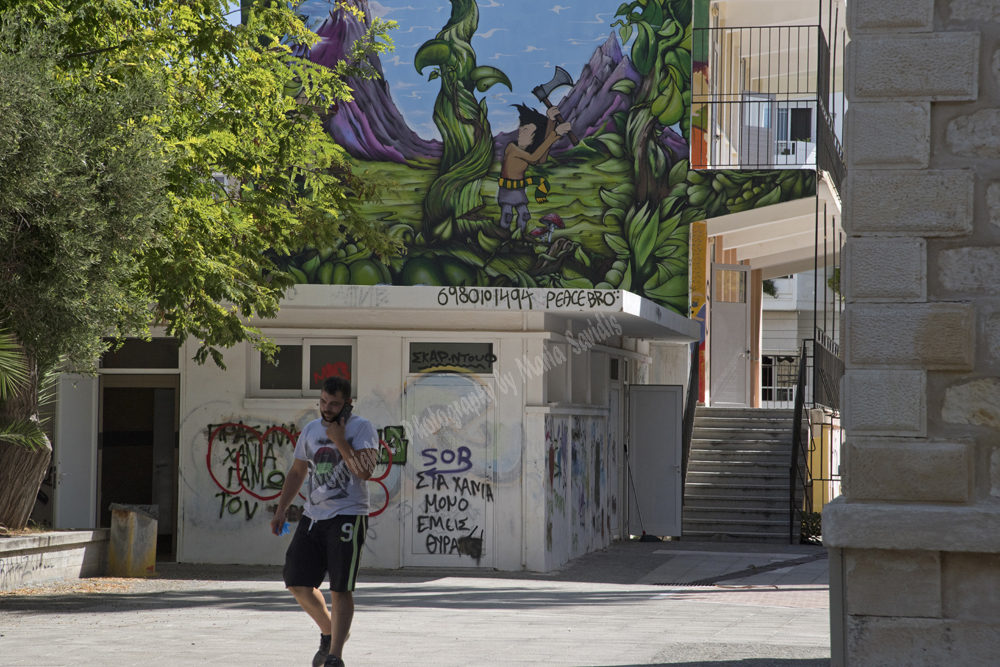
(529, 116)
(337, 385)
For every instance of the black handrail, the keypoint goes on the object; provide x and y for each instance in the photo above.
(689, 411)
(795, 473)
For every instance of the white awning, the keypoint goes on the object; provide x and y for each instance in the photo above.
(638, 317)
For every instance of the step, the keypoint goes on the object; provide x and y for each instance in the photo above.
(738, 467)
(778, 537)
(736, 492)
(698, 512)
(722, 502)
(727, 454)
(746, 413)
(727, 526)
(722, 443)
(760, 435)
(755, 424)
(745, 476)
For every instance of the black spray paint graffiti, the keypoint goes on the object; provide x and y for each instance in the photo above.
(441, 513)
(249, 464)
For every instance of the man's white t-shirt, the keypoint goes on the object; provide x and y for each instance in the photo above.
(331, 488)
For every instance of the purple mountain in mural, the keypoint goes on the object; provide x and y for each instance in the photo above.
(370, 127)
(590, 103)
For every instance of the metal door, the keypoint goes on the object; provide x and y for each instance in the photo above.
(656, 413)
(730, 322)
(450, 487)
(74, 453)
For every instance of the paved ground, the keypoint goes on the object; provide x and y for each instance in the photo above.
(633, 604)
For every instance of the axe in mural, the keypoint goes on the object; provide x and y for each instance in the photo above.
(559, 79)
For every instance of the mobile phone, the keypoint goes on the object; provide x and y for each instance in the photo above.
(345, 413)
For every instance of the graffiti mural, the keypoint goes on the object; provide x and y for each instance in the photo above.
(581, 494)
(531, 147)
(247, 463)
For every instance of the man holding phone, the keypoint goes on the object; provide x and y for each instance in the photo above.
(336, 454)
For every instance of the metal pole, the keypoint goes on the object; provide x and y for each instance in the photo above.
(825, 277)
(816, 262)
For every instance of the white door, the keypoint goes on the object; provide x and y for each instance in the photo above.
(449, 486)
(730, 322)
(74, 453)
(757, 133)
(656, 413)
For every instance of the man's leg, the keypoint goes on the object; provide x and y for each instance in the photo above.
(313, 603)
(506, 215)
(523, 215)
(343, 613)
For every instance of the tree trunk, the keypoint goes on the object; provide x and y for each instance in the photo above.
(21, 474)
(21, 470)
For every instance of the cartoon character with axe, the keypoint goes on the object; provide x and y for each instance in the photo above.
(535, 135)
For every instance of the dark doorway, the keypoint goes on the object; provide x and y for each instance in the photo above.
(138, 449)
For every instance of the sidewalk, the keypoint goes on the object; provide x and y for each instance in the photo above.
(633, 604)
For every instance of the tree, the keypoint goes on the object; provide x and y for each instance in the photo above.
(82, 193)
(152, 153)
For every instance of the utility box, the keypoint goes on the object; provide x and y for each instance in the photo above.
(132, 552)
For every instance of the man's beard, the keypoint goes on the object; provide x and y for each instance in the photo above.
(328, 416)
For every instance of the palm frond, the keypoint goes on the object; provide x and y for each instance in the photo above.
(24, 433)
(13, 367)
(47, 383)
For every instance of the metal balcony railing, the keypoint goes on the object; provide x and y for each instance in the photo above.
(765, 100)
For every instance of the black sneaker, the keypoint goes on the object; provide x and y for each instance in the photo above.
(333, 661)
(323, 652)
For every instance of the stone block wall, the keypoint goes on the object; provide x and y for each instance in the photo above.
(915, 568)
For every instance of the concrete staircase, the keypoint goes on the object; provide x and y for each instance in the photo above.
(737, 480)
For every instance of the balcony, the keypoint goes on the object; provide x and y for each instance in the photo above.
(764, 100)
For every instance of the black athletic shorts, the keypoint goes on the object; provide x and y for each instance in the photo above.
(328, 546)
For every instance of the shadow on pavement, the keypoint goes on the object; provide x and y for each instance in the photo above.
(749, 662)
(393, 596)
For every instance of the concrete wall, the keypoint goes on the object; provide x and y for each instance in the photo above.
(917, 532)
(548, 502)
(35, 559)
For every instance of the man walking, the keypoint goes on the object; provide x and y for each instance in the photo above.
(337, 454)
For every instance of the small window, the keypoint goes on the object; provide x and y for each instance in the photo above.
(801, 122)
(730, 286)
(139, 353)
(614, 368)
(301, 365)
(329, 361)
(285, 372)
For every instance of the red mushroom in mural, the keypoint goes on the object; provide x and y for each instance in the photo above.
(551, 222)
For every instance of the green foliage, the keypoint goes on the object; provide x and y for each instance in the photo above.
(26, 433)
(769, 288)
(462, 120)
(833, 282)
(13, 369)
(83, 192)
(811, 528)
(224, 125)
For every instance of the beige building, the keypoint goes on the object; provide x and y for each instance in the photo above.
(914, 540)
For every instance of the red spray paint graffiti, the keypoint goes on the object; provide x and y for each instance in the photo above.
(254, 474)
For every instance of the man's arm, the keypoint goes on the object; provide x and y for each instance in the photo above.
(542, 152)
(359, 462)
(293, 482)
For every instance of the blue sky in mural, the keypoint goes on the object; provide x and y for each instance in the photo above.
(525, 39)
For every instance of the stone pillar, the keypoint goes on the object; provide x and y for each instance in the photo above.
(915, 539)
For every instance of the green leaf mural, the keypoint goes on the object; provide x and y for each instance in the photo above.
(461, 119)
(621, 202)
